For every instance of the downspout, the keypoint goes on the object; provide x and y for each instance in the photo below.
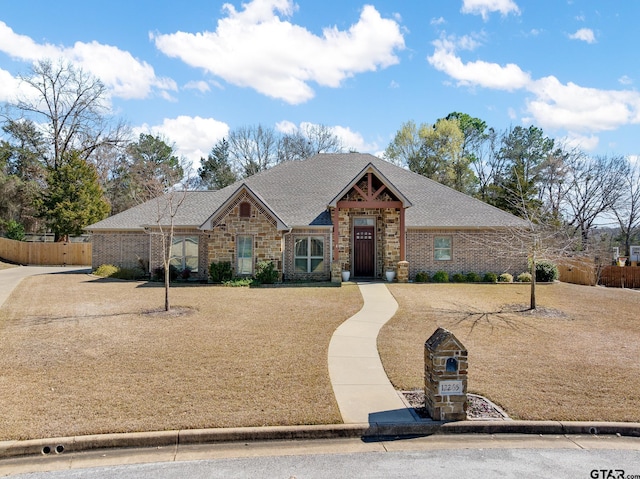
(284, 250)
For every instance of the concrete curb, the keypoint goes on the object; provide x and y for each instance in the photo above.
(368, 432)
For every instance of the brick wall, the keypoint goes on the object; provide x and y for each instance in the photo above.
(120, 249)
(156, 250)
(478, 251)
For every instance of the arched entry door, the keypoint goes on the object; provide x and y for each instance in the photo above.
(364, 251)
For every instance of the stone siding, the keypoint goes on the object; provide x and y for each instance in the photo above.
(267, 240)
(478, 251)
(120, 249)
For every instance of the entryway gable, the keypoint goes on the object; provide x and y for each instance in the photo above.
(371, 187)
(244, 194)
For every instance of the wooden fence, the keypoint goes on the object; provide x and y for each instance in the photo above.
(577, 271)
(45, 253)
(620, 276)
(583, 271)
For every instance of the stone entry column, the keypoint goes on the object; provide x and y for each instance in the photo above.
(445, 377)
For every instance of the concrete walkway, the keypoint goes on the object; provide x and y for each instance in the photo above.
(11, 277)
(361, 387)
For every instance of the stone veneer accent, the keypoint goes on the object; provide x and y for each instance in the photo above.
(267, 240)
(120, 249)
(478, 251)
(445, 388)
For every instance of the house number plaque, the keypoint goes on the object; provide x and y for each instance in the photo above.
(450, 388)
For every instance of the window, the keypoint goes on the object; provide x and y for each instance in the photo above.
(245, 255)
(442, 248)
(245, 210)
(184, 253)
(309, 254)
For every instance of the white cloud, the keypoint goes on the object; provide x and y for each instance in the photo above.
(581, 142)
(287, 127)
(201, 86)
(489, 75)
(193, 136)
(625, 80)
(485, 7)
(584, 34)
(253, 48)
(580, 109)
(554, 105)
(10, 86)
(124, 75)
(438, 21)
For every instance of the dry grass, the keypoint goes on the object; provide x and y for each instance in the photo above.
(6, 265)
(81, 355)
(576, 358)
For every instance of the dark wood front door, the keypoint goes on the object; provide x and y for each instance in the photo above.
(364, 251)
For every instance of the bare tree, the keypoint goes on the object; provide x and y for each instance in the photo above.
(167, 208)
(72, 105)
(593, 190)
(627, 209)
(307, 141)
(253, 149)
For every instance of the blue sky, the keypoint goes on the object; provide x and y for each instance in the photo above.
(194, 70)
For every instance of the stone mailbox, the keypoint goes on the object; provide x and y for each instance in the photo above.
(445, 377)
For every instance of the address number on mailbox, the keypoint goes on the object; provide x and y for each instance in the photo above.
(450, 388)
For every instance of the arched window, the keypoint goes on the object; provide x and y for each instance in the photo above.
(245, 210)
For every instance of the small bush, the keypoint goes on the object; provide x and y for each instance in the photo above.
(129, 274)
(185, 274)
(473, 278)
(106, 270)
(505, 278)
(440, 277)
(422, 277)
(220, 272)
(15, 230)
(158, 273)
(490, 278)
(238, 282)
(524, 277)
(458, 278)
(266, 272)
(546, 271)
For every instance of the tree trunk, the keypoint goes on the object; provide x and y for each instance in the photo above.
(532, 304)
(167, 279)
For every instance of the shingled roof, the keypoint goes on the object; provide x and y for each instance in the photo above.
(299, 192)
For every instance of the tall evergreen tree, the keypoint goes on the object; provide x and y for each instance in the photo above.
(216, 172)
(73, 198)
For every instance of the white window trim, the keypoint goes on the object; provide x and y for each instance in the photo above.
(183, 253)
(308, 256)
(238, 255)
(450, 248)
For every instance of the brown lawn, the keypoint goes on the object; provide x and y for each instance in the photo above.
(576, 358)
(82, 355)
(6, 265)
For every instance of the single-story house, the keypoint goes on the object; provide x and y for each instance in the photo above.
(314, 219)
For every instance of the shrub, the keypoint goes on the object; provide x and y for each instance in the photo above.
(14, 230)
(106, 270)
(220, 272)
(266, 272)
(490, 278)
(458, 278)
(473, 278)
(440, 277)
(158, 273)
(422, 277)
(237, 282)
(185, 274)
(129, 274)
(546, 271)
(524, 277)
(505, 278)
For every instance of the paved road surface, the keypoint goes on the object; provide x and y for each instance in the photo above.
(463, 456)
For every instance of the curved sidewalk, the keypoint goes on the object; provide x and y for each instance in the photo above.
(361, 387)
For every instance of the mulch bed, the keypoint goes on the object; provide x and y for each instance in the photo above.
(478, 407)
